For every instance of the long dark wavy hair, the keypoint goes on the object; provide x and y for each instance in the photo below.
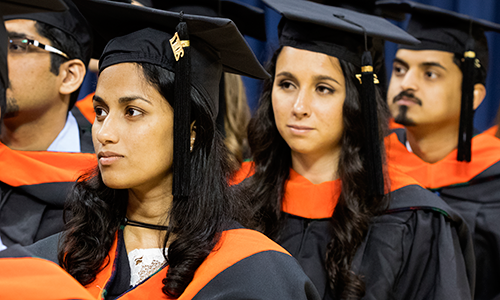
(97, 211)
(355, 208)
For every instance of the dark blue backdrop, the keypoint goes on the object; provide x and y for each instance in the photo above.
(485, 9)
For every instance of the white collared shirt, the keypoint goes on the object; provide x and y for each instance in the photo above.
(408, 147)
(2, 246)
(68, 139)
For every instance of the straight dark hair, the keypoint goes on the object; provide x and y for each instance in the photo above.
(97, 211)
(351, 218)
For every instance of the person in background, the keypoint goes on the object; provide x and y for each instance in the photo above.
(155, 219)
(43, 140)
(434, 90)
(318, 184)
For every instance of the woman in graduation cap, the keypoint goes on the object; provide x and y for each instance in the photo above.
(155, 219)
(318, 183)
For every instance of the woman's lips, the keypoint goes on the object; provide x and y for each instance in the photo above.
(297, 129)
(108, 158)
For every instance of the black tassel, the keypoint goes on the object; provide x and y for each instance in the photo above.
(467, 110)
(182, 111)
(222, 106)
(373, 157)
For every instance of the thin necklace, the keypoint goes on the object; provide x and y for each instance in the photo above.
(144, 225)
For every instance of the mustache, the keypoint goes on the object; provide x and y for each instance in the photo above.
(408, 95)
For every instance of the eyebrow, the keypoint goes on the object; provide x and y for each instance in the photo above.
(127, 99)
(14, 35)
(324, 77)
(400, 61)
(122, 100)
(424, 64)
(285, 74)
(317, 77)
(433, 64)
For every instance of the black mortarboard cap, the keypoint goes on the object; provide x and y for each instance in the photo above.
(208, 46)
(332, 30)
(249, 19)
(11, 7)
(445, 30)
(344, 34)
(363, 6)
(19, 7)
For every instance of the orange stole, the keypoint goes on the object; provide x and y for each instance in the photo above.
(317, 201)
(35, 167)
(448, 171)
(86, 107)
(492, 130)
(233, 246)
(36, 278)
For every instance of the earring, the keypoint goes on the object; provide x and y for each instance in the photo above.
(192, 142)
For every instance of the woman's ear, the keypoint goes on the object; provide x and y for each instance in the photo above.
(193, 135)
(72, 74)
(479, 94)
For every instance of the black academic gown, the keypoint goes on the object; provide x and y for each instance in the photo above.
(419, 248)
(34, 186)
(473, 190)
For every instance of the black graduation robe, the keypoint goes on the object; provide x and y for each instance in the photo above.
(419, 248)
(472, 189)
(34, 186)
(243, 265)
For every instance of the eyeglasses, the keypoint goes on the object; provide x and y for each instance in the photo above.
(21, 45)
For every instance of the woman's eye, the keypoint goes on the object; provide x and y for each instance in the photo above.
(325, 90)
(286, 85)
(133, 112)
(398, 70)
(100, 112)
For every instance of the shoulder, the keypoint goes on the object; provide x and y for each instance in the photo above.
(246, 264)
(414, 198)
(418, 240)
(46, 248)
(35, 278)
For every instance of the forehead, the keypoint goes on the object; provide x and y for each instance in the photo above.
(22, 27)
(424, 57)
(121, 78)
(305, 62)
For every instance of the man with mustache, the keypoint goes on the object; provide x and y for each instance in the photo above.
(433, 92)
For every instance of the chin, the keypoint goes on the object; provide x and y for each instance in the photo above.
(114, 182)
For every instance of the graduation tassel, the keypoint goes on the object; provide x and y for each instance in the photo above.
(182, 110)
(370, 119)
(467, 111)
(222, 106)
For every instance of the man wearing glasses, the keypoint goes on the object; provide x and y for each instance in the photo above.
(43, 139)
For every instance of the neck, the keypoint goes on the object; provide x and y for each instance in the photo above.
(432, 143)
(151, 207)
(316, 169)
(33, 133)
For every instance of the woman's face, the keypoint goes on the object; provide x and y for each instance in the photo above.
(133, 130)
(308, 95)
